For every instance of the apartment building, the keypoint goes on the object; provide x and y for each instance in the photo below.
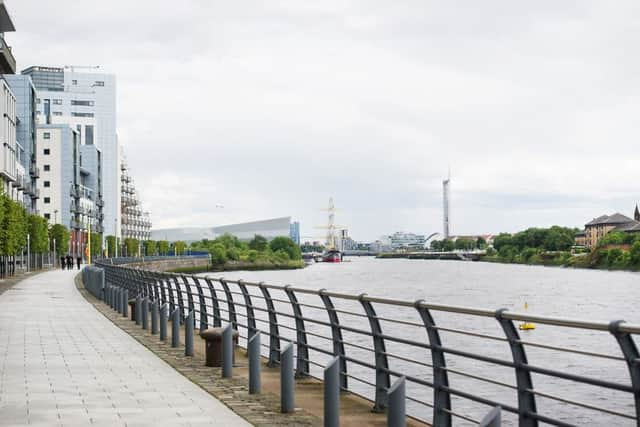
(136, 223)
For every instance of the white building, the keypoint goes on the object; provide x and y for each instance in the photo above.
(269, 228)
(86, 101)
(10, 168)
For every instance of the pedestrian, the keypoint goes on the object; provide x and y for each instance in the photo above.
(62, 263)
(69, 262)
(79, 261)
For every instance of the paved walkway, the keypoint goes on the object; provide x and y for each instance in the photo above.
(63, 363)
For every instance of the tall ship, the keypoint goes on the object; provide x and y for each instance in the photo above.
(332, 253)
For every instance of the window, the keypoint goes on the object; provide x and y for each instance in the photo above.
(57, 113)
(74, 82)
(57, 102)
(47, 200)
(82, 114)
(47, 184)
(88, 134)
(47, 151)
(46, 135)
(82, 103)
(99, 83)
(47, 168)
(37, 100)
(47, 216)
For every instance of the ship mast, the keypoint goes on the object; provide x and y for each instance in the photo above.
(331, 226)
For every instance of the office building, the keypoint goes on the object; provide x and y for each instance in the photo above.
(86, 102)
(294, 232)
(136, 223)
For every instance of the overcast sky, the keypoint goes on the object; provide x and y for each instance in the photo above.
(270, 108)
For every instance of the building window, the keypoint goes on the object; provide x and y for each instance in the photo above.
(47, 183)
(37, 100)
(99, 83)
(57, 102)
(82, 103)
(47, 168)
(74, 82)
(88, 134)
(47, 200)
(47, 216)
(57, 113)
(82, 114)
(46, 135)
(47, 151)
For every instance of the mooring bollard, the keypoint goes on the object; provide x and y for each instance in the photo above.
(396, 412)
(163, 321)
(138, 309)
(287, 384)
(145, 313)
(492, 419)
(332, 393)
(253, 348)
(154, 317)
(125, 303)
(227, 351)
(188, 335)
(175, 328)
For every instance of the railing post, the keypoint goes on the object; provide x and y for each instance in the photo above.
(180, 300)
(175, 328)
(383, 382)
(302, 359)
(274, 333)
(526, 399)
(251, 317)
(233, 319)
(163, 321)
(492, 419)
(190, 303)
(204, 318)
(441, 396)
(188, 334)
(632, 357)
(253, 349)
(332, 393)
(336, 336)
(287, 383)
(138, 309)
(227, 351)
(397, 412)
(217, 318)
(154, 317)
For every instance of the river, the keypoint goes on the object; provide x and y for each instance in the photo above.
(582, 294)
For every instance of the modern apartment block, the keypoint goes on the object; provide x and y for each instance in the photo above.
(70, 181)
(136, 223)
(86, 102)
(7, 60)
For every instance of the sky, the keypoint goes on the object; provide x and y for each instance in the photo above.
(270, 108)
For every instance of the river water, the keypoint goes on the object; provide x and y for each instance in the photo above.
(582, 294)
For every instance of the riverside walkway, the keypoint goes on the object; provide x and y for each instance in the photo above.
(64, 363)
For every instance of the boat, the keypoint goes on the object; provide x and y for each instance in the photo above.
(308, 259)
(332, 256)
(526, 326)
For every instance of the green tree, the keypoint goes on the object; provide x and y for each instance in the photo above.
(150, 247)
(288, 245)
(132, 245)
(218, 254)
(559, 239)
(96, 244)
(60, 235)
(179, 247)
(258, 243)
(481, 243)
(111, 246)
(13, 236)
(465, 243)
(38, 234)
(448, 245)
(501, 240)
(634, 253)
(163, 247)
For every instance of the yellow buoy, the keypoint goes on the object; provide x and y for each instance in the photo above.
(526, 326)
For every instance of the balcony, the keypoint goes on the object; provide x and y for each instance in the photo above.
(7, 60)
(35, 194)
(100, 202)
(34, 171)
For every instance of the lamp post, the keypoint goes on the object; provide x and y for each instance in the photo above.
(28, 252)
(55, 216)
(115, 235)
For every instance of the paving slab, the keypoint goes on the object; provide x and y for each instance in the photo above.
(64, 363)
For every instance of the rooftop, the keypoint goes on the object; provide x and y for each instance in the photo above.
(615, 219)
(6, 23)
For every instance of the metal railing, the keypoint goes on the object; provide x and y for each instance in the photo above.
(377, 339)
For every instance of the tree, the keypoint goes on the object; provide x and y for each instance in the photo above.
(501, 240)
(13, 236)
(179, 247)
(218, 254)
(111, 246)
(96, 244)
(635, 253)
(150, 247)
(132, 245)
(288, 245)
(60, 235)
(559, 239)
(481, 243)
(38, 234)
(163, 247)
(258, 243)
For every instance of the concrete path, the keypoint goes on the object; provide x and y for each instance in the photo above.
(63, 363)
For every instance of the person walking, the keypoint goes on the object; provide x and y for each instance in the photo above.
(79, 261)
(69, 262)
(62, 263)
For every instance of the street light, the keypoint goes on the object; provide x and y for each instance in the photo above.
(55, 216)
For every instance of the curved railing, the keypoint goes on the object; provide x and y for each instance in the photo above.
(377, 339)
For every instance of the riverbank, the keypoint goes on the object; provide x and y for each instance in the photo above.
(241, 266)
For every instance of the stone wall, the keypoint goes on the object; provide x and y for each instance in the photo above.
(170, 264)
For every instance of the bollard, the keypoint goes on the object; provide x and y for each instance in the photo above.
(396, 412)
(125, 303)
(138, 309)
(145, 313)
(163, 322)
(227, 351)
(154, 317)
(287, 384)
(188, 334)
(109, 300)
(175, 328)
(492, 419)
(253, 348)
(332, 393)
(118, 300)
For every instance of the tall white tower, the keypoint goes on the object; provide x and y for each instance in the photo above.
(445, 206)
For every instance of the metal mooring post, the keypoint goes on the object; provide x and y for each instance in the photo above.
(492, 419)
(138, 309)
(164, 310)
(396, 411)
(175, 328)
(227, 351)
(332, 393)
(154, 317)
(287, 384)
(125, 301)
(145, 313)
(253, 348)
(188, 334)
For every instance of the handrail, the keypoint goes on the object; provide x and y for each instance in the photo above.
(318, 330)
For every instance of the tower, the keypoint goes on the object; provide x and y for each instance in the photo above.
(636, 214)
(445, 206)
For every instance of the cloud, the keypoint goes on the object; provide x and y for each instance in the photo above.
(272, 108)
